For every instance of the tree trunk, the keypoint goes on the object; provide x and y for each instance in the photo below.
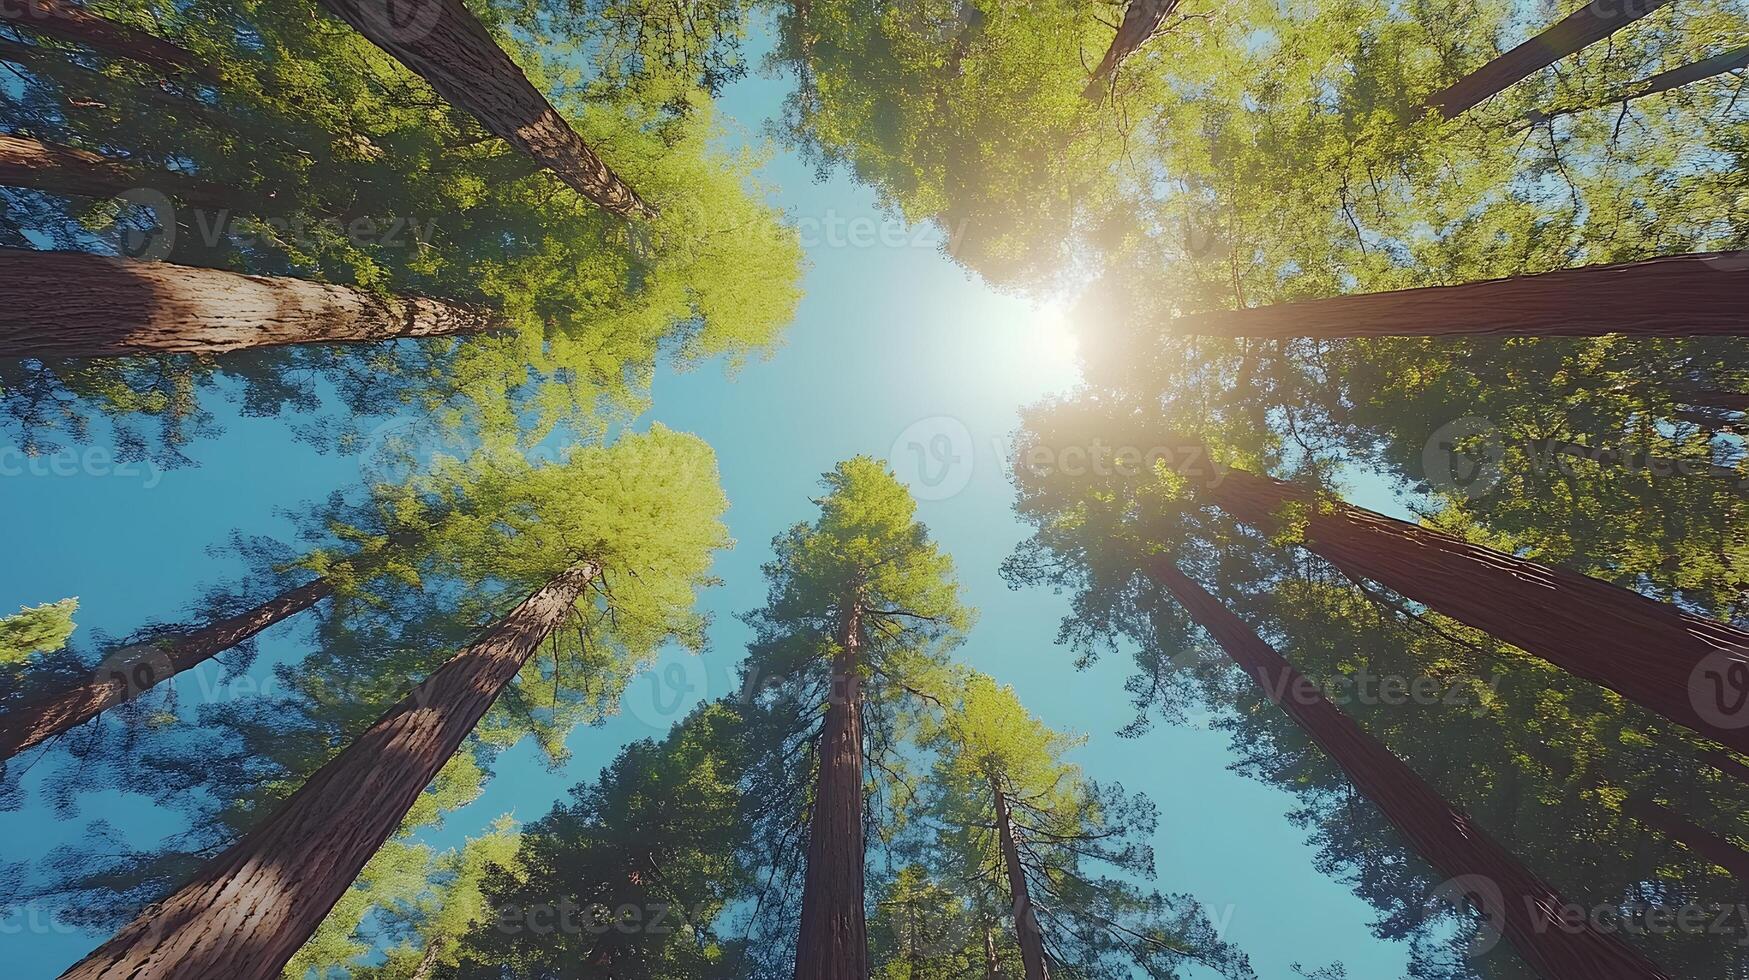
(247, 912)
(141, 668)
(1584, 27)
(992, 964)
(1729, 401)
(70, 304)
(71, 22)
(1657, 465)
(428, 962)
(1701, 841)
(81, 173)
(833, 941)
(1677, 296)
(76, 78)
(1141, 21)
(1522, 906)
(1691, 670)
(1726, 764)
(1026, 927)
(445, 44)
(1665, 81)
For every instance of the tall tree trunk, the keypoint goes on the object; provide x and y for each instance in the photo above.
(1683, 667)
(992, 963)
(1726, 764)
(67, 170)
(428, 962)
(1662, 82)
(1677, 296)
(833, 941)
(1584, 27)
(1526, 909)
(71, 22)
(1701, 841)
(1026, 927)
(445, 44)
(247, 912)
(1657, 465)
(1141, 20)
(144, 668)
(70, 304)
(1729, 401)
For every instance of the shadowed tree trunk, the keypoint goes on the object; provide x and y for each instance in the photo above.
(1664, 81)
(1678, 296)
(1527, 910)
(71, 22)
(442, 42)
(833, 940)
(66, 170)
(135, 670)
(1691, 670)
(1726, 764)
(247, 912)
(1582, 28)
(1701, 841)
(70, 304)
(1141, 20)
(1729, 401)
(1032, 944)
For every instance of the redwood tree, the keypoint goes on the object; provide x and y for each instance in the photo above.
(72, 22)
(1591, 23)
(1675, 296)
(71, 304)
(69, 170)
(1525, 908)
(445, 44)
(1141, 21)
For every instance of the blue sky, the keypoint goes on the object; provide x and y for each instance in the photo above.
(897, 353)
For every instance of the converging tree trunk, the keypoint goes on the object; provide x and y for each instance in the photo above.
(1593, 22)
(248, 911)
(833, 941)
(71, 22)
(133, 671)
(70, 304)
(442, 42)
(1527, 910)
(1026, 928)
(1678, 296)
(1701, 841)
(1141, 21)
(1664, 81)
(1691, 670)
(67, 170)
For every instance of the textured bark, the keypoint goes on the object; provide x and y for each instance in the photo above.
(1032, 941)
(1662, 82)
(34, 723)
(833, 940)
(1701, 841)
(70, 304)
(1678, 296)
(1141, 21)
(445, 44)
(1526, 909)
(71, 22)
(66, 170)
(1584, 27)
(1660, 465)
(1647, 651)
(247, 912)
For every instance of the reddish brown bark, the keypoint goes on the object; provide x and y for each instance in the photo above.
(1664, 81)
(70, 304)
(833, 940)
(1584, 27)
(66, 170)
(442, 42)
(1026, 928)
(145, 668)
(1141, 21)
(247, 912)
(71, 22)
(1526, 909)
(1678, 296)
(1701, 841)
(1683, 667)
